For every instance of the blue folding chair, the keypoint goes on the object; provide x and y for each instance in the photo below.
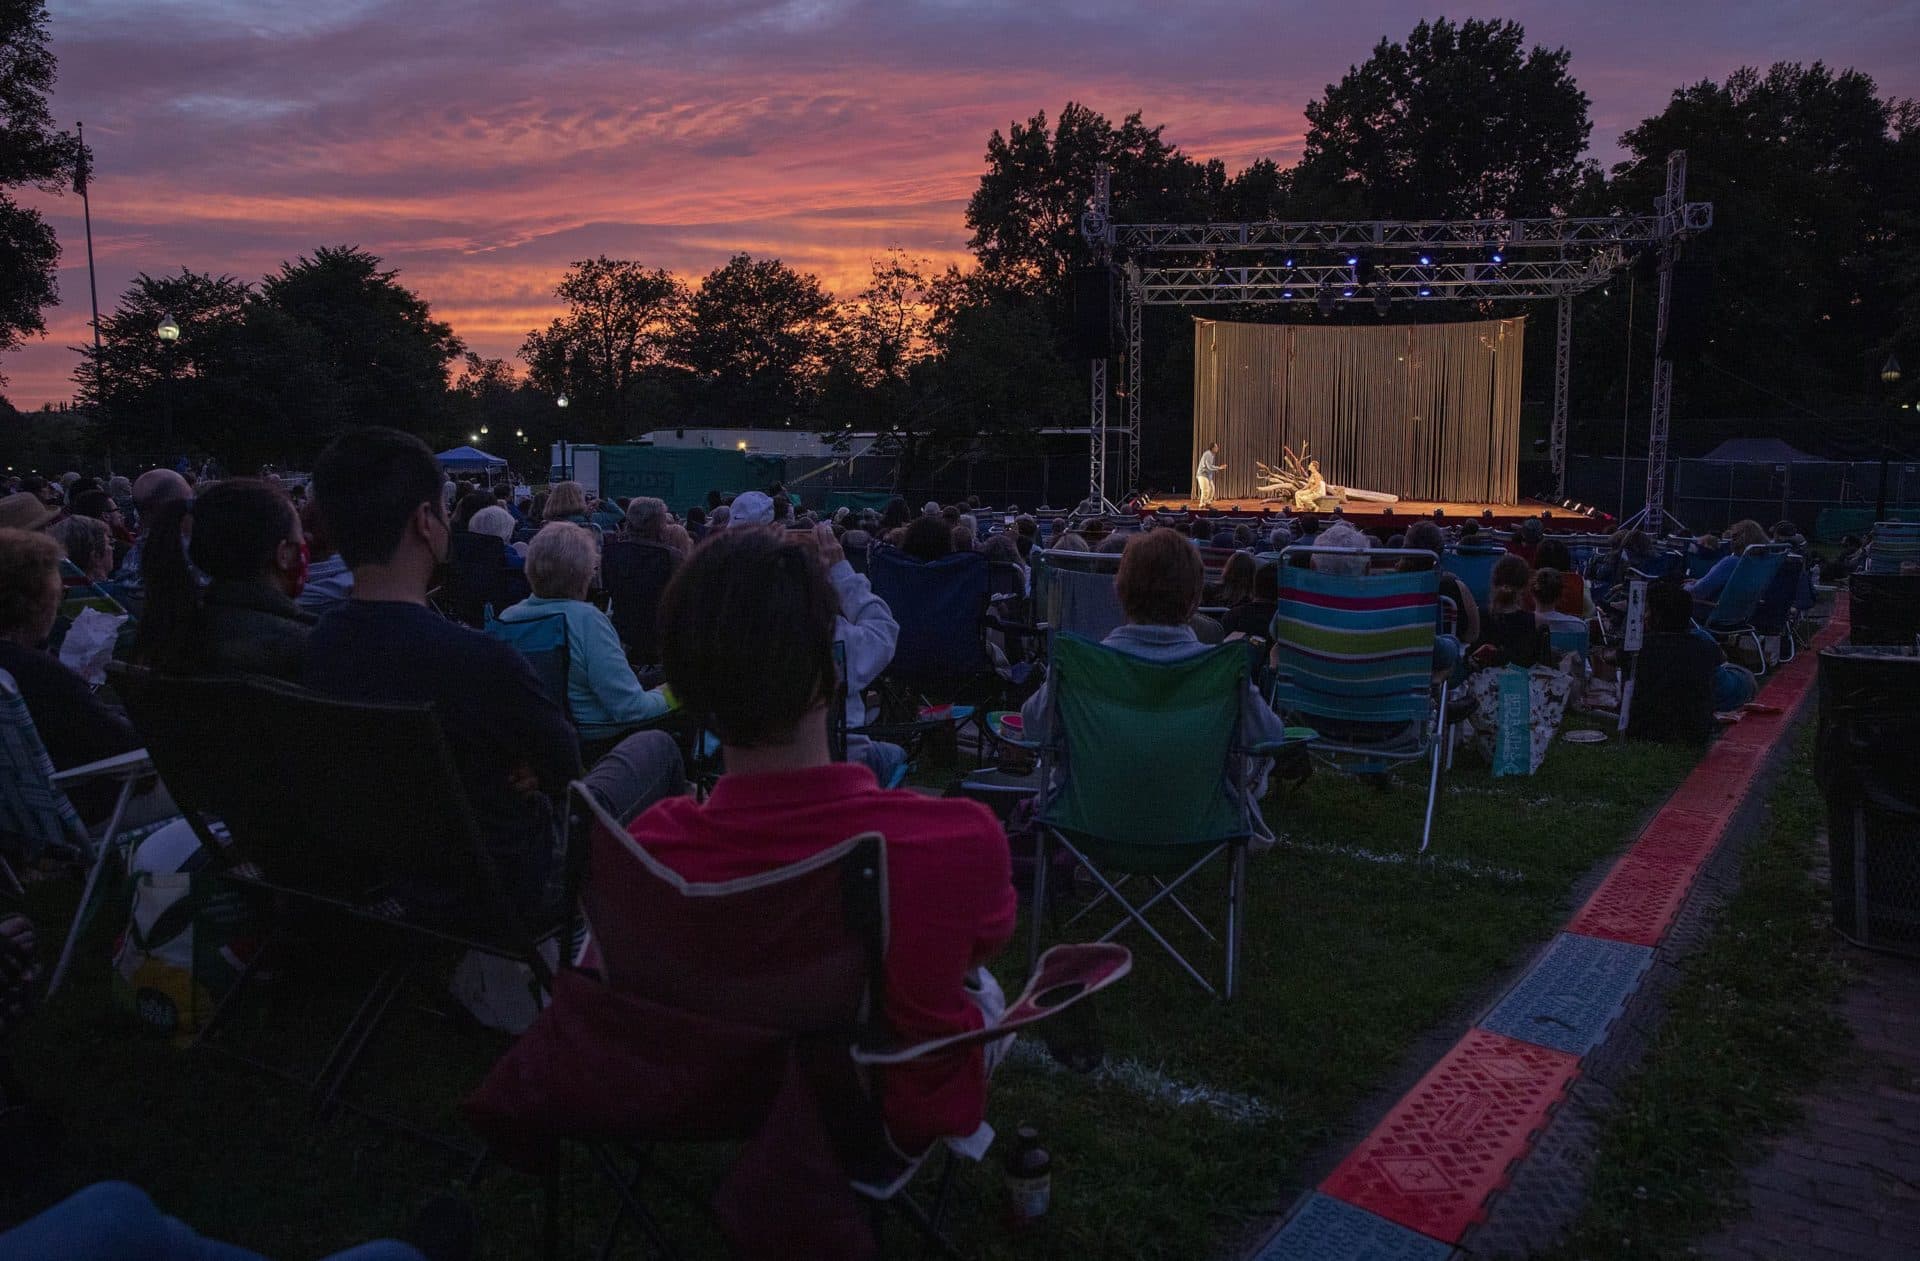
(1354, 659)
(1773, 615)
(1473, 567)
(941, 656)
(543, 642)
(1753, 576)
(1073, 592)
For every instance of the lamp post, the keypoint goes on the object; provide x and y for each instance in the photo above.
(1889, 377)
(169, 334)
(560, 402)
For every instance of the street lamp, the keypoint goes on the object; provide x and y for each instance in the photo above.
(1889, 377)
(169, 333)
(561, 401)
(519, 433)
(473, 437)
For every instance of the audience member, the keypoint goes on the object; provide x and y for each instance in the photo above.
(1510, 631)
(244, 539)
(1741, 535)
(511, 742)
(750, 508)
(151, 490)
(1425, 536)
(1342, 535)
(1254, 615)
(1159, 585)
(1547, 604)
(928, 537)
(1673, 673)
(1235, 587)
(1574, 598)
(748, 628)
(647, 518)
(329, 581)
(603, 693)
(566, 501)
(88, 545)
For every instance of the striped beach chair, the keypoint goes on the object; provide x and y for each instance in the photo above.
(1354, 659)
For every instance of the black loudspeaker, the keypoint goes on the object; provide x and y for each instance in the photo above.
(1687, 322)
(1092, 313)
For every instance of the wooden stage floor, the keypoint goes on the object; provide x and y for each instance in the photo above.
(1369, 513)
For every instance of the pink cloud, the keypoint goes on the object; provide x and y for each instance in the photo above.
(480, 145)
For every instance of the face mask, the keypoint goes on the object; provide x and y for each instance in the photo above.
(298, 578)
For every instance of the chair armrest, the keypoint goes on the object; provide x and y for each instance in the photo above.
(1265, 747)
(1065, 975)
(130, 765)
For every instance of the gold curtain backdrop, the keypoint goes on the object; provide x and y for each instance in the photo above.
(1423, 411)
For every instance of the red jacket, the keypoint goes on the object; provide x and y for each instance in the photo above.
(950, 900)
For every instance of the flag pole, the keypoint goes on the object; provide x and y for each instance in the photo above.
(82, 177)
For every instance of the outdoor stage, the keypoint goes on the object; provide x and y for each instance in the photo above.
(1368, 515)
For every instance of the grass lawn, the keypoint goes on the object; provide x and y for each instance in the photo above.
(1749, 1027)
(1197, 1123)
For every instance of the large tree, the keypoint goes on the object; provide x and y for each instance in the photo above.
(200, 389)
(379, 355)
(1025, 215)
(620, 320)
(1815, 248)
(1460, 121)
(33, 154)
(758, 339)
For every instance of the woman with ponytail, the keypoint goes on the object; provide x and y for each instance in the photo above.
(222, 571)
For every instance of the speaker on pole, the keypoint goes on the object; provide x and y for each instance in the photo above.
(1687, 323)
(1092, 313)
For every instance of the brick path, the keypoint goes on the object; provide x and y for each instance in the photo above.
(1846, 1184)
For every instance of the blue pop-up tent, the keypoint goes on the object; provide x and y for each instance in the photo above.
(469, 460)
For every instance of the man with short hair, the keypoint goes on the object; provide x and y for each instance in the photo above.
(379, 493)
(748, 628)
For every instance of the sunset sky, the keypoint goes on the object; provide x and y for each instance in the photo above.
(480, 145)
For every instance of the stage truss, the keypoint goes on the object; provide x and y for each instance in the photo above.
(1364, 261)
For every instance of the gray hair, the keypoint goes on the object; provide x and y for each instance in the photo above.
(85, 540)
(119, 487)
(561, 560)
(1342, 534)
(646, 517)
(494, 520)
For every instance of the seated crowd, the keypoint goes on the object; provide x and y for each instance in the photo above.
(751, 614)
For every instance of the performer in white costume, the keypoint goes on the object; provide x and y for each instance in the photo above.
(1203, 476)
(1307, 498)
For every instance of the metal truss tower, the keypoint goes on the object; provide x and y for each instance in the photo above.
(1311, 263)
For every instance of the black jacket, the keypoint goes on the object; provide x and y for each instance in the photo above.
(249, 628)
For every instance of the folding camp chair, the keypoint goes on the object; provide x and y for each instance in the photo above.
(1773, 615)
(36, 816)
(1473, 566)
(714, 1007)
(1354, 659)
(543, 642)
(476, 576)
(1732, 614)
(941, 656)
(1142, 777)
(1073, 592)
(635, 574)
(306, 788)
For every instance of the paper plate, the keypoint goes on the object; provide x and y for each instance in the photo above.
(1585, 736)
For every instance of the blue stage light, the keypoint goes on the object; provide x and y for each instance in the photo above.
(1498, 257)
(1425, 292)
(1353, 260)
(1426, 260)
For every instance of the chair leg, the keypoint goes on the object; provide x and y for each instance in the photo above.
(346, 1052)
(1137, 915)
(1041, 860)
(102, 854)
(630, 1203)
(1433, 779)
(1236, 915)
(6, 869)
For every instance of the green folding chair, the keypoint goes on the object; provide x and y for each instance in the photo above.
(1140, 775)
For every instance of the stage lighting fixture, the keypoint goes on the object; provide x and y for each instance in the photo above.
(1426, 260)
(1346, 293)
(1286, 293)
(1425, 292)
(1353, 260)
(1364, 270)
(1324, 300)
(1289, 264)
(1497, 257)
(1381, 301)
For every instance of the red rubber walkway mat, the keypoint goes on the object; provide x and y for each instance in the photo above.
(1447, 1145)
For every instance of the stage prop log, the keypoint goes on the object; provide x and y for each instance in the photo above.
(1423, 411)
